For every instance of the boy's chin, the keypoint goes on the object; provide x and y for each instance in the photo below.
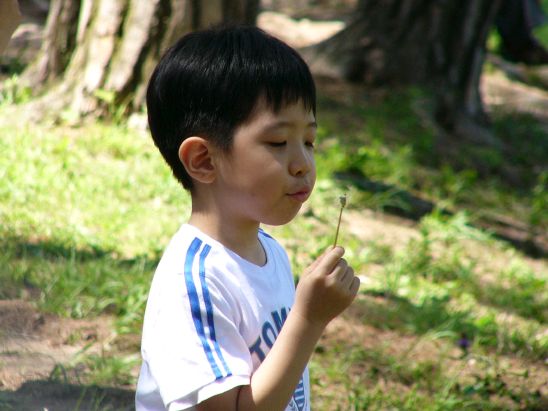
(281, 220)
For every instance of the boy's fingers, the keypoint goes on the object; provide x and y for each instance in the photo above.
(339, 271)
(355, 285)
(347, 276)
(317, 261)
(330, 259)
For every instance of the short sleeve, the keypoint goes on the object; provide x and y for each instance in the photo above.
(192, 344)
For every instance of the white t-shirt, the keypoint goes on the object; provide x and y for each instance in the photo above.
(211, 318)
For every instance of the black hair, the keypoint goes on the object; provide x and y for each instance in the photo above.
(210, 81)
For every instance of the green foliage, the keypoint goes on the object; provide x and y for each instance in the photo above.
(114, 110)
(102, 370)
(538, 218)
(98, 190)
(541, 32)
(113, 369)
(11, 92)
(526, 137)
(78, 283)
(375, 380)
(436, 269)
(394, 157)
(494, 42)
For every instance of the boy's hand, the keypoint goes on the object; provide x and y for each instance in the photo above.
(326, 288)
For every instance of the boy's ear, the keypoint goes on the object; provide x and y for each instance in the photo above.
(195, 154)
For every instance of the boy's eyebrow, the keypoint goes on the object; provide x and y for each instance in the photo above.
(285, 123)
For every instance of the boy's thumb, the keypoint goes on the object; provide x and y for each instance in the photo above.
(329, 258)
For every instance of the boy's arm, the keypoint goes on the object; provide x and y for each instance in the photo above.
(325, 290)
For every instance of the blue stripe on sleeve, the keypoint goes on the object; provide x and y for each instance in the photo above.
(209, 309)
(195, 305)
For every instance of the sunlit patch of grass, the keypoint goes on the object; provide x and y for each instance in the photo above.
(101, 369)
(354, 378)
(517, 289)
(12, 92)
(85, 216)
(78, 283)
(111, 369)
(103, 188)
(436, 285)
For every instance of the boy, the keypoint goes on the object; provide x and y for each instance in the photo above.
(232, 110)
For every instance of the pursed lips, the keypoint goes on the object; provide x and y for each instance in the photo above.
(300, 194)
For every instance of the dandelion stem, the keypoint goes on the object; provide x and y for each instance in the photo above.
(342, 200)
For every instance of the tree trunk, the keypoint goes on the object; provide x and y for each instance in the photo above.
(439, 44)
(97, 55)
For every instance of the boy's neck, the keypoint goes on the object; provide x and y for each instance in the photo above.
(239, 238)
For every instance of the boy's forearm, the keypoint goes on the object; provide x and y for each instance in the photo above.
(274, 382)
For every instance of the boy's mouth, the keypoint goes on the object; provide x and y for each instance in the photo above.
(301, 195)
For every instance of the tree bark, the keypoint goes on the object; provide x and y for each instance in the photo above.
(97, 55)
(59, 42)
(438, 44)
(10, 16)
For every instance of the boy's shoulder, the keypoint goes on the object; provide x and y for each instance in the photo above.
(196, 260)
(190, 244)
(188, 234)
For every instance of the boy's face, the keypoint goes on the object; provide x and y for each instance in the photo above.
(269, 172)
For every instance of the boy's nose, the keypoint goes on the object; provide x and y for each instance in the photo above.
(301, 163)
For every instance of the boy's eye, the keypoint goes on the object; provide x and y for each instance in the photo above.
(277, 143)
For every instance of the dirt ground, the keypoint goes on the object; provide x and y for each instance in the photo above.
(34, 345)
(33, 349)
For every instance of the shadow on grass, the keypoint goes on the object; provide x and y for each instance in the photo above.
(52, 395)
(404, 204)
(399, 202)
(522, 300)
(433, 315)
(389, 311)
(405, 116)
(58, 252)
(75, 282)
(52, 249)
(388, 121)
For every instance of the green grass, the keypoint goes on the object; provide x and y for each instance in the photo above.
(85, 214)
(382, 381)
(86, 211)
(541, 32)
(394, 160)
